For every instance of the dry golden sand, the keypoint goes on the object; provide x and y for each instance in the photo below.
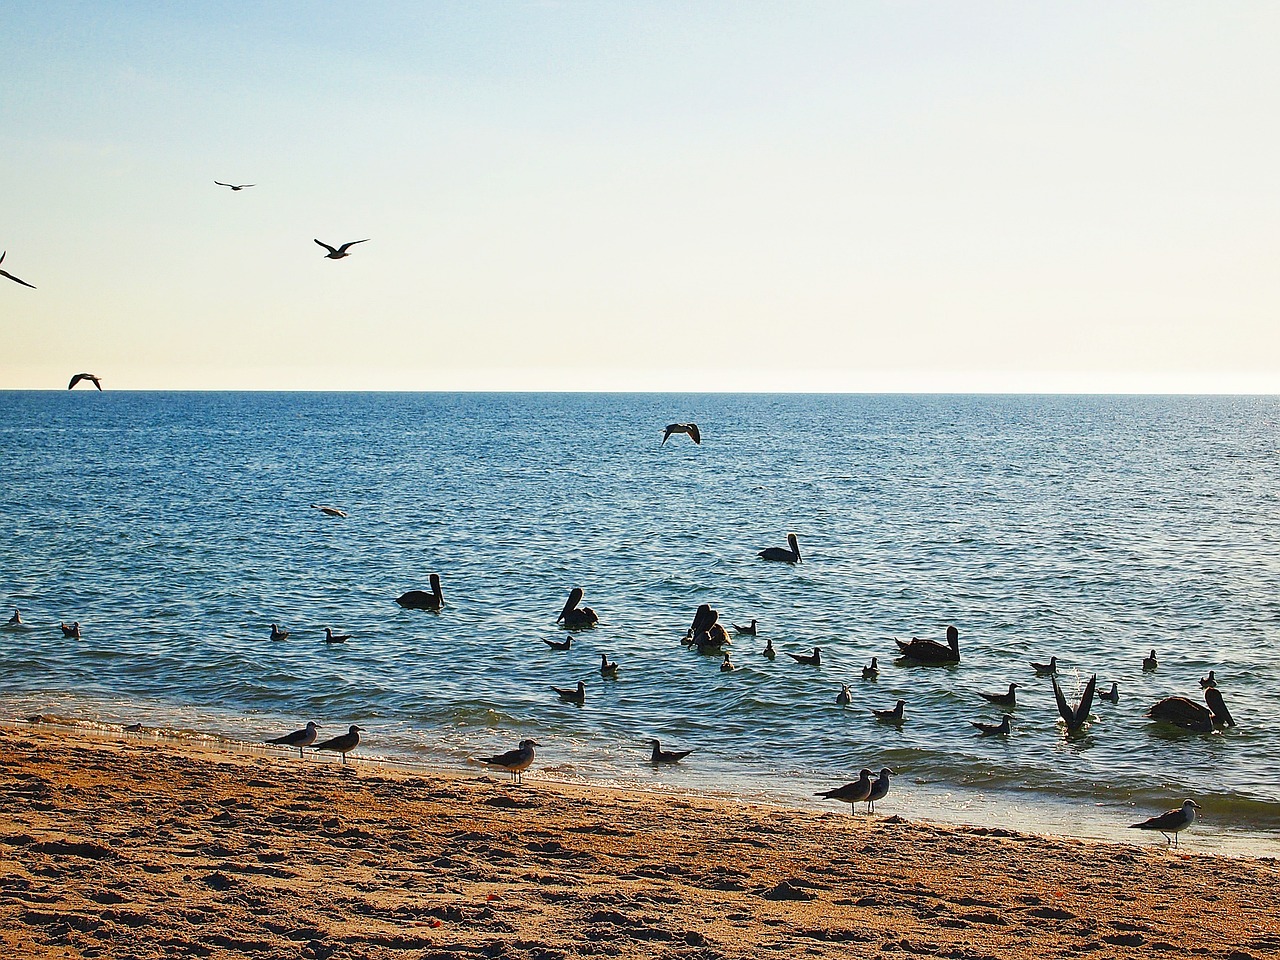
(127, 848)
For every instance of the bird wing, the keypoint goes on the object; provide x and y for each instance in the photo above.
(326, 246)
(16, 279)
(693, 432)
(221, 184)
(352, 243)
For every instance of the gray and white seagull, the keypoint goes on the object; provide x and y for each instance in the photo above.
(337, 253)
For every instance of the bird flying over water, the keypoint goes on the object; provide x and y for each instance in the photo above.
(1171, 822)
(328, 511)
(690, 428)
(6, 273)
(337, 253)
(235, 186)
(97, 381)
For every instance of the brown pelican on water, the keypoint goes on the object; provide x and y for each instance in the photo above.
(575, 617)
(931, 651)
(1171, 822)
(780, 554)
(690, 428)
(339, 252)
(421, 600)
(1194, 716)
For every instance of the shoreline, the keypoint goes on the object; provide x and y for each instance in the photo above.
(156, 848)
(945, 806)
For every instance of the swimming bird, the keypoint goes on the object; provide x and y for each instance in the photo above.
(1076, 717)
(896, 715)
(299, 738)
(515, 762)
(872, 670)
(727, 665)
(278, 634)
(1000, 729)
(768, 650)
(575, 617)
(1190, 715)
(714, 640)
(71, 631)
(331, 637)
(97, 381)
(851, 793)
(931, 651)
(1171, 822)
(1002, 699)
(238, 187)
(329, 511)
(564, 644)
(1209, 681)
(690, 428)
(1112, 695)
(749, 630)
(808, 659)
(608, 670)
(667, 756)
(1149, 663)
(578, 696)
(879, 790)
(704, 618)
(16, 619)
(1046, 669)
(343, 744)
(6, 273)
(421, 600)
(845, 696)
(340, 252)
(780, 554)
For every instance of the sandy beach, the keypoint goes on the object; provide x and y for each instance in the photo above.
(128, 848)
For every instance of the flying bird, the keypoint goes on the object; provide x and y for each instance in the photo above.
(299, 738)
(339, 252)
(6, 273)
(690, 428)
(328, 511)
(235, 186)
(1171, 822)
(97, 381)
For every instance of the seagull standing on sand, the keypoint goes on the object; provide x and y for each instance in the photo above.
(1171, 822)
(235, 186)
(299, 738)
(97, 381)
(851, 793)
(515, 762)
(879, 790)
(667, 756)
(690, 428)
(343, 744)
(6, 273)
(337, 253)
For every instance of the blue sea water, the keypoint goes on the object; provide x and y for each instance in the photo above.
(176, 527)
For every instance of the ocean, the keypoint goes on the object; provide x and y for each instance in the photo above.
(177, 527)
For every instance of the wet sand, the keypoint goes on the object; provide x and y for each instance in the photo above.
(128, 848)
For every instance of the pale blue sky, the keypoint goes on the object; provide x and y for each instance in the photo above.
(647, 195)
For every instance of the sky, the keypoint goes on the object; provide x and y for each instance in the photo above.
(650, 195)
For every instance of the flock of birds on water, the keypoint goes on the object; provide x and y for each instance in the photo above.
(708, 635)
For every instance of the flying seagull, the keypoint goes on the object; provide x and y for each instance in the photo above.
(339, 252)
(6, 273)
(97, 381)
(234, 186)
(328, 511)
(1172, 822)
(690, 428)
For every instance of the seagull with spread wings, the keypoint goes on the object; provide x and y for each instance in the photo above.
(337, 253)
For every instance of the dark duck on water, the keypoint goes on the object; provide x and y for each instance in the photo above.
(931, 651)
